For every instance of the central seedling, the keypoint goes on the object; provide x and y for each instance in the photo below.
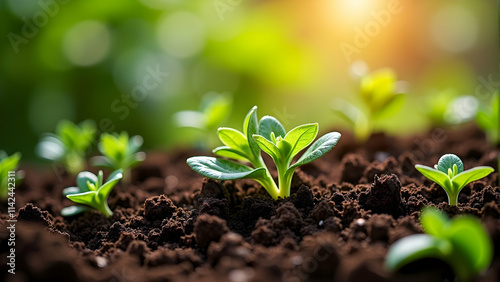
(269, 136)
(450, 175)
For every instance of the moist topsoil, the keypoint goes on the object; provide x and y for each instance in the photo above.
(171, 224)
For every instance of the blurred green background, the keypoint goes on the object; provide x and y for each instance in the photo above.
(131, 65)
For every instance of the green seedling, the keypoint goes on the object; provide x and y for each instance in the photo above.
(380, 99)
(119, 152)
(7, 164)
(91, 192)
(269, 136)
(450, 175)
(69, 145)
(214, 109)
(462, 242)
(488, 119)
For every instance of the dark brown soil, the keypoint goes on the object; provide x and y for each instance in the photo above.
(170, 224)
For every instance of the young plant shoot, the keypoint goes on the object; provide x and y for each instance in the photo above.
(119, 152)
(69, 145)
(7, 164)
(269, 136)
(462, 242)
(91, 192)
(380, 98)
(488, 117)
(450, 175)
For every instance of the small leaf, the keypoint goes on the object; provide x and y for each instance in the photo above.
(465, 230)
(434, 222)
(435, 175)
(86, 198)
(106, 188)
(447, 161)
(301, 136)
(227, 152)
(269, 147)
(416, 247)
(117, 174)
(71, 190)
(223, 169)
(391, 107)
(9, 163)
(134, 144)
(473, 174)
(234, 139)
(324, 144)
(101, 161)
(268, 125)
(74, 210)
(251, 127)
(83, 177)
(51, 148)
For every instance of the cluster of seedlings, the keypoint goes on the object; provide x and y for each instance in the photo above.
(462, 242)
(69, 147)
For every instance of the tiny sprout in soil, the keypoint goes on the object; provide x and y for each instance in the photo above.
(119, 152)
(450, 175)
(69, 145)
(269, 136)
(380, 98)
(462, 242)
(91, 192)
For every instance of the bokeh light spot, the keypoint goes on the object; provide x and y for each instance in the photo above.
(182, 34)
(87, 43)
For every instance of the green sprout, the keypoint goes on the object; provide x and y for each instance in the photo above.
(69, 145)
(7, 164)
(269, 136)
(214, 109)
(450, 175)
(119, 152)
(91, 192)
(462, 242)
(380, 99)
(488, 117)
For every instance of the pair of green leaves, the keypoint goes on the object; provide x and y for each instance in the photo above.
(7, 163)
(450, 175)
(69, 145)
(269, 136)
(380, 98)
(119, 152)
(91, 192)
(462, 242)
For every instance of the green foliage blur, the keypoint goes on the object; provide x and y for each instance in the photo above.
(131, 65)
